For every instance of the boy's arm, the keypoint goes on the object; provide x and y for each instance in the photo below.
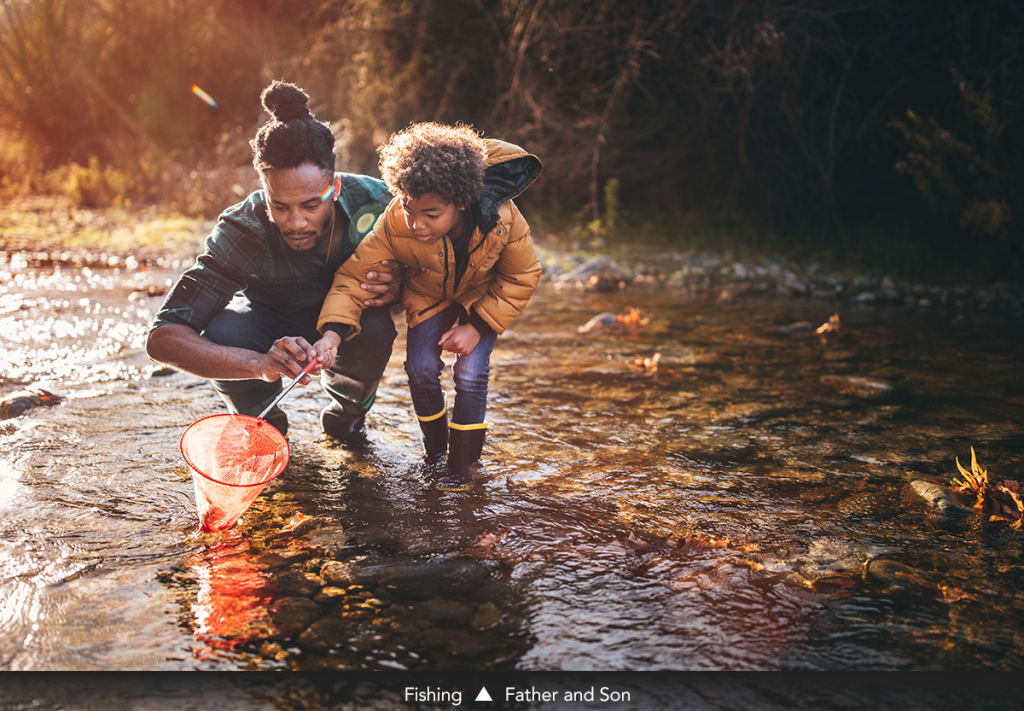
(347, 297)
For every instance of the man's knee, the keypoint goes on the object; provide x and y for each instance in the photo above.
(232, 327)
(365, 356)
(377, 327)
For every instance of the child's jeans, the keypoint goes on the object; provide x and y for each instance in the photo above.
(423, 364)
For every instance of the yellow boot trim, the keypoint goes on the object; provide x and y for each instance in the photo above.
(432, 417)
(478, 426)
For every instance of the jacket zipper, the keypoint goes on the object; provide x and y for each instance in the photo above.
(444, 284)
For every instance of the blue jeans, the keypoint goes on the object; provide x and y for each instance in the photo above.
(471, 372)
(351, 383)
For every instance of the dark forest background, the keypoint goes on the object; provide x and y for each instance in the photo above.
(871, 132)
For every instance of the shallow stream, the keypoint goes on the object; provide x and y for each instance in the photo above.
(745, 507)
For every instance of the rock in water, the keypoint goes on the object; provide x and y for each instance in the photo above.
(606, 321)
(18, 403)
(941, 498)
(857, 386)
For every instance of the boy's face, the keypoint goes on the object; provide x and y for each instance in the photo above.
(430, 218)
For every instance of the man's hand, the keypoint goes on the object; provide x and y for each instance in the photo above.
(384, 283)
(460, 340)
(287, 357)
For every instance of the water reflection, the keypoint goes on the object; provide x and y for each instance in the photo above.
(232, 596)
(747, 508)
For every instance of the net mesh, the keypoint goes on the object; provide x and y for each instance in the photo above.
(235, 450)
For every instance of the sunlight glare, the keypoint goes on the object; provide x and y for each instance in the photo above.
(204, 96)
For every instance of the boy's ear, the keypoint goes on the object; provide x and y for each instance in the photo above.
(337, 186)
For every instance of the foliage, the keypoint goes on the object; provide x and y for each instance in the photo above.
(100, 91)
(1003, 500)
(832, 126)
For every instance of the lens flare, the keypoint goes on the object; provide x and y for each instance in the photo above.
(328, 194)
(204, 96)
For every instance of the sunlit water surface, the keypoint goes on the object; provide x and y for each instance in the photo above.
(725, 514)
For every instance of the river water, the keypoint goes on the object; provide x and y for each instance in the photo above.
(745, 507)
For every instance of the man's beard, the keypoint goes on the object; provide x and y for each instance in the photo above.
(321, 235)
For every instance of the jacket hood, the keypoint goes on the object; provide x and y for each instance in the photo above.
(508, 171)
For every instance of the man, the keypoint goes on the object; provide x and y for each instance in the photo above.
(245, 314)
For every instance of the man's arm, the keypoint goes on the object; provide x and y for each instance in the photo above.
(182, 347)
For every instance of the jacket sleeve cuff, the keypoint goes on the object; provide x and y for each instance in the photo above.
(481, 326)
(341, 329)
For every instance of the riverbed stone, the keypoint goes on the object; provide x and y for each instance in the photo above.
(425, 580)
(434, 637)
(335, 572)
(469, 646)
(897, 575)
(486, 616)
(331, 540)
(443, 613)
(295, 583)
(291, 615)
(323, 635)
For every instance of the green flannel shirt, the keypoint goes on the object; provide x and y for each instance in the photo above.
(245, 254)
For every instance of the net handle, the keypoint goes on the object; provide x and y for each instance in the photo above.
(309, 366)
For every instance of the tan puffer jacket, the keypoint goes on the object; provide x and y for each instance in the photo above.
(503, 268)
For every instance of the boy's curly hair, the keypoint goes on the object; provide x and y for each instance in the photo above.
(292, 137)
(436, 158)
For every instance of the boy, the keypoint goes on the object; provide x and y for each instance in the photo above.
(469, 258)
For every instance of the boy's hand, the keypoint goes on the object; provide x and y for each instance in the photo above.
(460, 340)
(327, 349)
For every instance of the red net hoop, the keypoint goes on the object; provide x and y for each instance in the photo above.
(232, 457)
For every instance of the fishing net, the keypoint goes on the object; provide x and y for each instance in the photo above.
(232, 457)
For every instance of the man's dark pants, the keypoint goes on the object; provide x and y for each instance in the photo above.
(351, 383)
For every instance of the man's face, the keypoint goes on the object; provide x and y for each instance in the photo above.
(295, 204)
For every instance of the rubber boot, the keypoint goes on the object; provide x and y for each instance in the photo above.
(464, 447)
(346, 429)
(278, 419)
(435, 436)
(344, 418)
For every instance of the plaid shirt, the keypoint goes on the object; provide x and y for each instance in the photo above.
(246, 254)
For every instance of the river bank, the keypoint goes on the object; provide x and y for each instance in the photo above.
(42, 231)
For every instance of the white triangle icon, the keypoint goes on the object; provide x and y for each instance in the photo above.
(483, 695)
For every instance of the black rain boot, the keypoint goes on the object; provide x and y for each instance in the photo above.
(343, 419)
(346, 429)
(464, 447)
(435, 437)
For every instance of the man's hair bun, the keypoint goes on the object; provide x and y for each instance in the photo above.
(289, 140)
(285, 101)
